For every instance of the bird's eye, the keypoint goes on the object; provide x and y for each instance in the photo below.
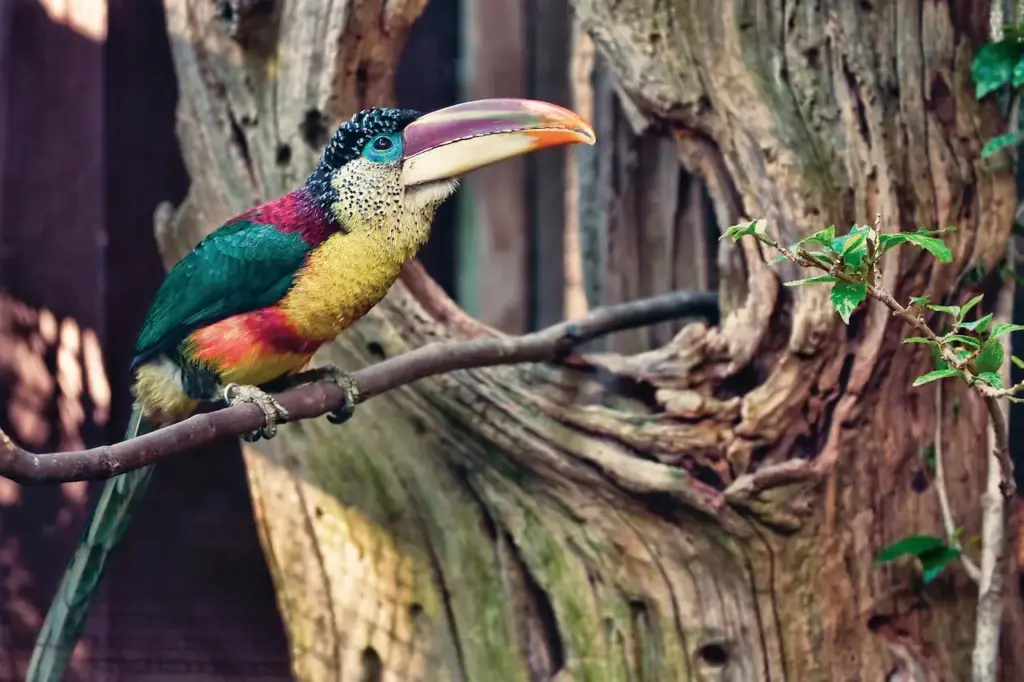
(384, 148)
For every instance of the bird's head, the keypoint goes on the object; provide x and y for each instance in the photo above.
(389, 169)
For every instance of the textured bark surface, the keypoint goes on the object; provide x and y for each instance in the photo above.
(707, 510)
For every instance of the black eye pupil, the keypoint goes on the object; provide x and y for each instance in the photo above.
(382, 144)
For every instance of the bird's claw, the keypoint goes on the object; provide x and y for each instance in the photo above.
(344, 412)
(273, 411)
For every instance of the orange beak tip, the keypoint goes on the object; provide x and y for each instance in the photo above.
(467, 136)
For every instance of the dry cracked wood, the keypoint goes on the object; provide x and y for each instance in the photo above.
(518, 523)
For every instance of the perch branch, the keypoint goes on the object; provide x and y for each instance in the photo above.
(321, 397)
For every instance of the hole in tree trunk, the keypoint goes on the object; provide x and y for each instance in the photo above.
(238, 136)
(373, 667)
(714, 655)
(284, 154)
(313, 129)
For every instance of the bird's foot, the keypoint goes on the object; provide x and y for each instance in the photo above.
(344, 412)
(273, 411)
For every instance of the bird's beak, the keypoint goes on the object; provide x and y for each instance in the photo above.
(455, 140)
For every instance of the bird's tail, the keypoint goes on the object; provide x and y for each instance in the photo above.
(66, 618)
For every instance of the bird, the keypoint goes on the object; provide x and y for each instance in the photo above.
(241, 315)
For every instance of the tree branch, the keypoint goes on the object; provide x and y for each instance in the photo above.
(998, 524)
(319, 398)
(970, 567)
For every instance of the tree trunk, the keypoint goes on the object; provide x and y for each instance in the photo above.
(707, 510)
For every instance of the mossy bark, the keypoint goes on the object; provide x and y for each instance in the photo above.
(707, 510)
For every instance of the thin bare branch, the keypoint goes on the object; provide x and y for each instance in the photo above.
(319, 398)
(996, 528)
(970, 567)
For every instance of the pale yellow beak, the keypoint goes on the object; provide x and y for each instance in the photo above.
(455, 140)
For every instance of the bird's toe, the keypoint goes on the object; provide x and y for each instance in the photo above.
(344, 412)
(273, 412)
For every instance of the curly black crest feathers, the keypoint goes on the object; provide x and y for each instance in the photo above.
(348, 141)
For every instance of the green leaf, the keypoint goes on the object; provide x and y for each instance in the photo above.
(821, 258)
(993, 66)
(953, 310)
(928, 455)
(979, 325)
(990, 359)
(1005, 328)
(970, 304)
(939, 362)
(915, 545)
(968, 341)
(920, 300)
(934, 562)
(992, 379)
(936, 375)
(1002, 142)
(918, 339)
(779, 259)
(824, 237)
(853, 246)
(744, 229)
(1017, 361)
(810, 280)
(920, 238)
(846, 297)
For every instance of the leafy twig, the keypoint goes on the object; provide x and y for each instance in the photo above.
(835, 263)
(972, 352)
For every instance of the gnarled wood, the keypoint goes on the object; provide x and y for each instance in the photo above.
(707, 510)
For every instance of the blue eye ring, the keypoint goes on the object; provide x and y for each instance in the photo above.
(383, 148)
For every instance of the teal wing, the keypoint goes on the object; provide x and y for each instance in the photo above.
(69, 609)
(240, 267)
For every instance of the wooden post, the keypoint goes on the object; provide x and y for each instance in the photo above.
(548, 36)
(494, 224)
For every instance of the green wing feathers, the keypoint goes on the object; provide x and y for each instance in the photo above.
(69, 610)
(242, 266)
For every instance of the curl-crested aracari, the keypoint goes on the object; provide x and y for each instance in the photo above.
(248, 307)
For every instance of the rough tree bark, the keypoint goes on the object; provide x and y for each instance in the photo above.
(706, 510)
